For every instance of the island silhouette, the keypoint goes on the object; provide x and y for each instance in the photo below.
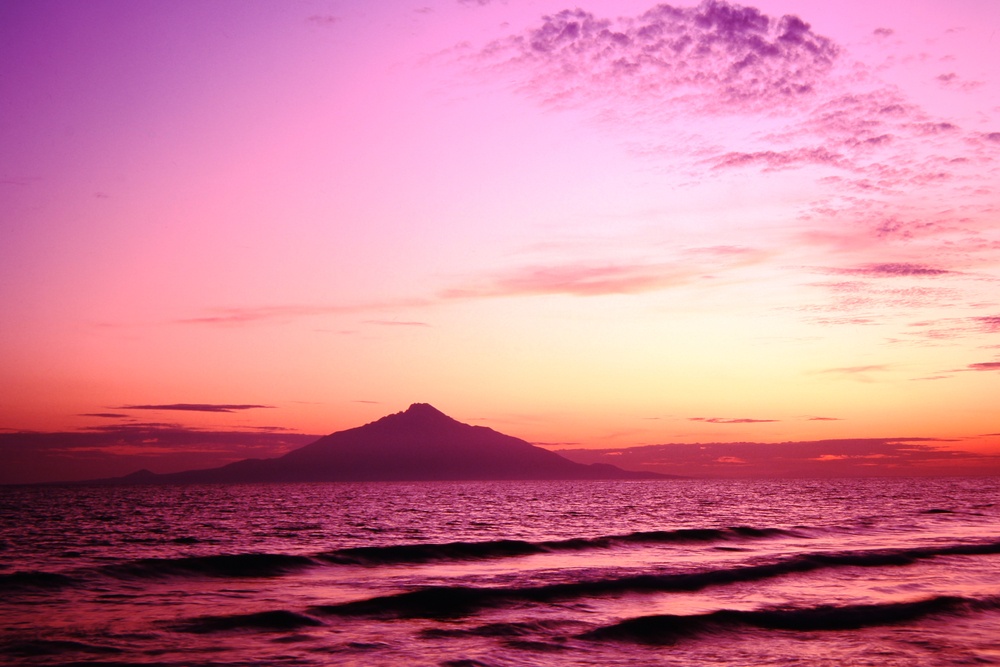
(419, 444)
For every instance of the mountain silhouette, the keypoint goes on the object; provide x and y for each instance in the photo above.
(419, 444)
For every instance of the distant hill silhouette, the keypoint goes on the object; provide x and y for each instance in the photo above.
(420, 444)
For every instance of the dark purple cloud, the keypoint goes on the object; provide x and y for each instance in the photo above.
(770, 160)
(105, 415)
(195, 407)
(820, 458)
(714, 54)
(137, 427)
(111, 451)
(952, 80)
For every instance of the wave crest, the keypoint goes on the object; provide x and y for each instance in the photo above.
(668, 629)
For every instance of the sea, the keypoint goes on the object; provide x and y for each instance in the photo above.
(489, 574)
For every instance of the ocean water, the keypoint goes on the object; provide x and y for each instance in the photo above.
(686, 572)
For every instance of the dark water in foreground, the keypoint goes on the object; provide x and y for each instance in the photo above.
(841, 572)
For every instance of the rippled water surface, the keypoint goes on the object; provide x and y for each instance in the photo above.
(687, 572)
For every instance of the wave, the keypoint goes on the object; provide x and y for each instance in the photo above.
(35, 648)
(504, 630)
(423, 553)
(668, 628)
(451, 551)
(458, 601)
(260, 565)
(267, 565)
(250, 565)
(277, 621)
(33, 580)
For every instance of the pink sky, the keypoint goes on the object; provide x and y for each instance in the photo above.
(603, 224)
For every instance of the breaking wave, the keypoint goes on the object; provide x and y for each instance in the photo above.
(423, 553)
(32, 580)
(275, 621)
(458, 601)
(668, 629)
(226, 565)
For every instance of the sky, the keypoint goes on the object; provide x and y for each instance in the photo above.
(593, 225)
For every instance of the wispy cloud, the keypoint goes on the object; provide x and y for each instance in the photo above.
(955, 328)
(989, 323)
(686, 266)
(729, 420)
(893, 270)
(397, 323)
(251, 314)
(985, 366)
(860, 373)
(105, 415)
(579, 280)
(872, 301)
(283, 313)
(195, 407)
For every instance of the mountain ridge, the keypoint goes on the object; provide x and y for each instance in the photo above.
(420, 443)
